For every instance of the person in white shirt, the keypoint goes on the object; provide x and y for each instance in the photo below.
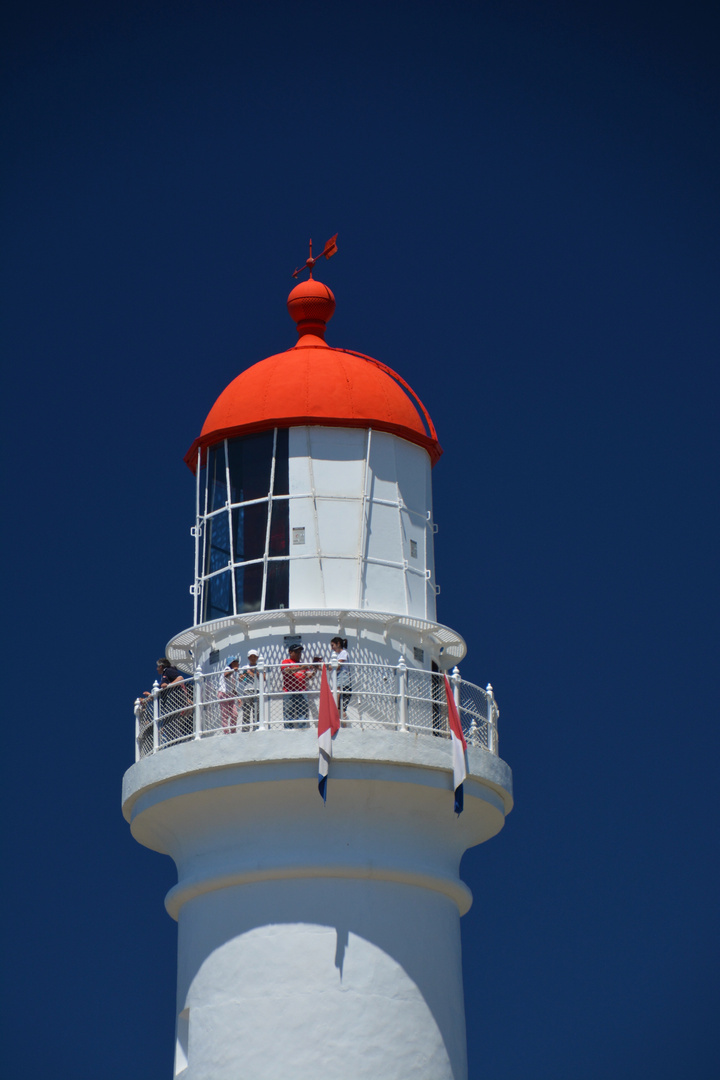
(228, 695)
(249, 681)
(344, 685)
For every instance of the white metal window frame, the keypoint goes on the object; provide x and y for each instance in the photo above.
(200, 531)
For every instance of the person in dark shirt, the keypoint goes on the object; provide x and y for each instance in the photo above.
(167, 674)
(174, 696)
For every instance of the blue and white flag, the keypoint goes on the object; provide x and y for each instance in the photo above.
(459, 747)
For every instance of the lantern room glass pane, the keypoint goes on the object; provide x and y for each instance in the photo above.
(250, 531)
(250, 461)
(218, 543)
(279, 527)
(281, 485)
(248, 587)
(277, 594)
(218, 597)
(216, 478)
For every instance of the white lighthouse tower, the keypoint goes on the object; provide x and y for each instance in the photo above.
(316, 939)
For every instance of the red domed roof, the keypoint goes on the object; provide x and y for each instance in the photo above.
(317, 385)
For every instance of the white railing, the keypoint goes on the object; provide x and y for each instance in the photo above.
(369, 696)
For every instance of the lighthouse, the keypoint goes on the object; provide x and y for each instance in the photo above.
(318, 898)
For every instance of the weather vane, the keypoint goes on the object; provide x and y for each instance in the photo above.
(328, 251)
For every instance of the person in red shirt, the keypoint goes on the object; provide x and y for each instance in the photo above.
(295, 677)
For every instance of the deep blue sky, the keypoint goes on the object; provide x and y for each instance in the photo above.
(526, 196)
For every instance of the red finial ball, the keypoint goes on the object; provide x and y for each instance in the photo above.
(311, 304)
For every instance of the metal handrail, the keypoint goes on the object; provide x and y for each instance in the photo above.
(369, 696)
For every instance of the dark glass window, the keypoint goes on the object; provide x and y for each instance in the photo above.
(248, 587)
(281, 486)
(250, 531)
(218, 597)
(277, 594)
(250, 460)
(217, 486)
(279, 527)
(203, 484)
(218, 543)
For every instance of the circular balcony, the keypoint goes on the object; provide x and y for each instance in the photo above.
(369, 696)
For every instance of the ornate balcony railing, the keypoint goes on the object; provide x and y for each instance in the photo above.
(370, 696)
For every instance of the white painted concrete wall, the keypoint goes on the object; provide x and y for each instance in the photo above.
(322, 978)
(317, 939)
(367, 520)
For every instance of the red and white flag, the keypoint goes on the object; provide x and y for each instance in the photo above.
(459, 747)
(328, 725)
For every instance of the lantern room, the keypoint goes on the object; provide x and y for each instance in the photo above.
(313, 473)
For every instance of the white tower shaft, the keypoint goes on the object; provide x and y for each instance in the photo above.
(317, 938)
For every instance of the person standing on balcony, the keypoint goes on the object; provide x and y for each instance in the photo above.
(173, 699)
(167, 675)
(228, 695)
(339, 647)
(295, 677)
(249, 682)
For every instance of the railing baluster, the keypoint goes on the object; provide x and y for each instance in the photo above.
(137, 710)
(156, 716)
(263, 700)
(197, 704)
(491, 727)
(402, 695)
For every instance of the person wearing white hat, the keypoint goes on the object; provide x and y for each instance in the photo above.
(250, 677)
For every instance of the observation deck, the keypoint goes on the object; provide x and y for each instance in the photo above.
(371, 697)
(245, 764)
